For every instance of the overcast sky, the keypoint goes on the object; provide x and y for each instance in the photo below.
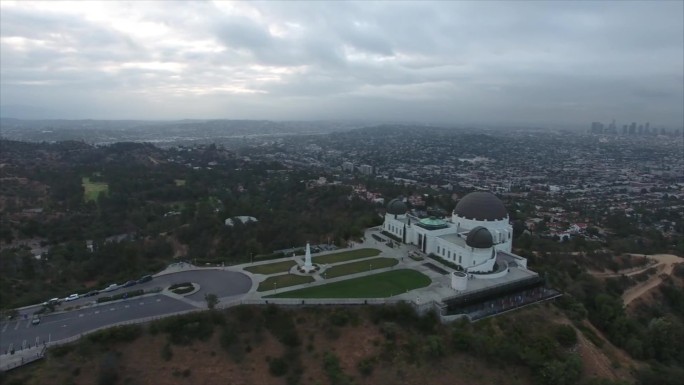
(546, 63)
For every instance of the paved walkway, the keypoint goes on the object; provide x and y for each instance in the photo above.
(21, 357)
(439, 288)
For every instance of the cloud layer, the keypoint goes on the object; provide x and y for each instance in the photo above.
(458, 62)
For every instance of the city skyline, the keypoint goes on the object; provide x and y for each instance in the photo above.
(522, 63)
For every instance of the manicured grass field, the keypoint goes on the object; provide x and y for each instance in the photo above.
(271, 268)
(179, 182)
(93, 189)
(346, 256)
(284, 280)
(380, 285)
(359, 266)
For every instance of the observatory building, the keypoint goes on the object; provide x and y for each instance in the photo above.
(477, 237)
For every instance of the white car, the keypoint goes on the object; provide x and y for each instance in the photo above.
(111, 287)
(72, 297)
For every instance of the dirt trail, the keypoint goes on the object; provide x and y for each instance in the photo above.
(664, 265)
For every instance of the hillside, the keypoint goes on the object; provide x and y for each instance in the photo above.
(366, 345)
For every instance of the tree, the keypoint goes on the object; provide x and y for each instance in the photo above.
(212, 300)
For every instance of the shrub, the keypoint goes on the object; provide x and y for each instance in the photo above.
(565, 335)
(277, 367)
(126, 333)
(166, 352)
(179, 285)
(331, 365)
(366, 366)
(109, 369)
(184, 329)
(61, 350)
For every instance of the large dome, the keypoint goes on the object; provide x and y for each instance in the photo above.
(481, 206)
(396, 207)
(479, 238)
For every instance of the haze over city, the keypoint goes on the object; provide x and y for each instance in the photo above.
(518, 63)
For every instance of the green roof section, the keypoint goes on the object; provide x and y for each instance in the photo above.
(432, 223)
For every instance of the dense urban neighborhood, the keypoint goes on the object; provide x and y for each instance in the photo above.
(113, 233)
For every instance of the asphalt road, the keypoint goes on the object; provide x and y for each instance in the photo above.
(220, 282)
(20, 332)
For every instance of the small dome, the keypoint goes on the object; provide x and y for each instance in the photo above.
(396, 207)
(479, 238)
(481, 206)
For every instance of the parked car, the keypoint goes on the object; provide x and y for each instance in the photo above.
(111, 287)
(35, 320)
(91, 293)
(146, 278)
(129, 283)
(72, 297)
(53, 301)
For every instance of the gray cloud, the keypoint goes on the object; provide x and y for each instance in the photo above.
(553, 63)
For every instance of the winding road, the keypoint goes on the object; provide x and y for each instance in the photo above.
(21, 333)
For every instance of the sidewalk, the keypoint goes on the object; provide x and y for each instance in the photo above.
(21, 357)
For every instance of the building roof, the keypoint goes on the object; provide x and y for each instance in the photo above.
(432, 223)
(480, 238)
(481, 206)
(396, 207)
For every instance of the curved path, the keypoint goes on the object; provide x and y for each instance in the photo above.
(20, 332)
(665, 264)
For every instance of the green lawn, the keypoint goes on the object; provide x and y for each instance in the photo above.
(380, 285)
(93, 189)
(179, 182)
(271, 268)
(284, 280)
(359, 266)
(346, 256)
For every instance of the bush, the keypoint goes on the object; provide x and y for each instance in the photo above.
(179, 285)
(61, 350)
(182, 330)
(277, 367)
(166, 352)
(366, 366)
(565, 335)
(129, 294)
(183, 290)
(126, 333)
(109, 369)
(331, 365)
(445, 262)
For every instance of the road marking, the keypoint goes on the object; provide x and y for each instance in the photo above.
(97, 311)
(28, 323)
(142, 303)
(80, 315)
(5, 327)
(17, 327)
(158, 300)
(112, 308)
(23, 345)
(126, 306)
(37, 341)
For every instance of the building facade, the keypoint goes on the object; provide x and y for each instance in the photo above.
(477, 237)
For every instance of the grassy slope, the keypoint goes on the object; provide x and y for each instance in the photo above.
(399, 359)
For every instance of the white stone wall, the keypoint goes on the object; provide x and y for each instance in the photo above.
(502, 231)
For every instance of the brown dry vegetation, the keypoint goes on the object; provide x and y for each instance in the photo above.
(397, 360)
